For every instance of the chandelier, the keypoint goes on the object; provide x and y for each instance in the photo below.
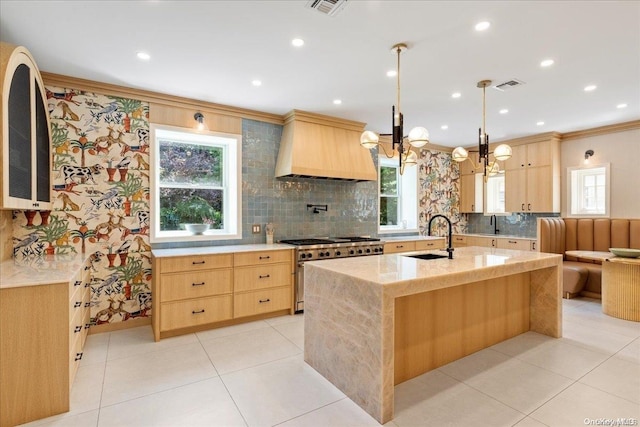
(417, 138)
(501, 153)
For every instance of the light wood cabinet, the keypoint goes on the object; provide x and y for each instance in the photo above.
(518, 244)
(496, 241)
(471, 166)
(487, 242)
(399, 246)
(532, 177)
(459, 241)
(43, 329)
(25, 141)
(471, 193)
(196, 292)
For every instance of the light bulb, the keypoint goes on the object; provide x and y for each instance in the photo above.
(418, 137)
(411, 159)
(502, 152)
(460, 154)
(369, 139)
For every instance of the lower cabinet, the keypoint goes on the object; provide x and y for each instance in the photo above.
(499, 242)
(414, 245)
(43, 329)
(518, 244)
(196, 292)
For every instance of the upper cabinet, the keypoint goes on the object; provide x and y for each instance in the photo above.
(25, 144)
(532, 176)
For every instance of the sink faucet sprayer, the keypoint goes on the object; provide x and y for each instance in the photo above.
(449, 247)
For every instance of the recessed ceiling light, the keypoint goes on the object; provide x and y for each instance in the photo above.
(337, 101)
(540, 124)
(256, 83)
(621, 106)
(504, 111)
(481, 26)
(297, 42)
(392, 73)
(590, 88)
(444, 127)
(456, 95)
(546, 63)
(143, 55)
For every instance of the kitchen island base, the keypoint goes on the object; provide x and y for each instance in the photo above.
(375, 323)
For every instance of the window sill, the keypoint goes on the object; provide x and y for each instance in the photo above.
(184, 236)
(397, 230)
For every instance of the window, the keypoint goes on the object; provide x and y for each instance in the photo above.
(495, 194)
(196, 181)
(398, 197)
(588, 191)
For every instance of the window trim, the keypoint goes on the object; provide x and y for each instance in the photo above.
(607, 185)
(233, 202)
(383, 161)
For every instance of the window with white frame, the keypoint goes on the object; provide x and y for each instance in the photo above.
(588, 191)
(398, 197)
(196, 181)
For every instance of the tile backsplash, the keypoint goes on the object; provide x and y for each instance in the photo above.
(517, 224)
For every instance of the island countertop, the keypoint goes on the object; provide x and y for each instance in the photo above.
(400, 274)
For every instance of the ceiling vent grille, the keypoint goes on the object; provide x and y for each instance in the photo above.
(508, 85)
(328, 7)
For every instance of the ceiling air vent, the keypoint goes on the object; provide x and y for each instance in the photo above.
(328, 7)
(509, 84)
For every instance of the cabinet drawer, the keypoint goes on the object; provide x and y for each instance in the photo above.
(76, 301)
(76, 326)
(260, 277)
(519, 244)
(396, 247)
(459, 241)
(195, 263)
(430, 244)
(194, 285)
(261, 257)
(262, 301)
(181, 314)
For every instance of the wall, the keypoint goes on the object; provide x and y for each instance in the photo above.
(622, 151)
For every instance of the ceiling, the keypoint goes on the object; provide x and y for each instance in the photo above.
(212, 50)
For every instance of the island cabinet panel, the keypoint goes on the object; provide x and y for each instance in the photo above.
(438, 327)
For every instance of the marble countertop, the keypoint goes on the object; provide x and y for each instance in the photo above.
(212, 250)
(469, 264)
(35, 271)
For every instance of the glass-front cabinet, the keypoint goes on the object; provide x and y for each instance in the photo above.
(26, 138)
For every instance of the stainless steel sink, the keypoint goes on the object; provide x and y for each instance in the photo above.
(426, 256)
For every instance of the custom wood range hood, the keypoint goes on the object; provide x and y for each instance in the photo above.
(318, 146)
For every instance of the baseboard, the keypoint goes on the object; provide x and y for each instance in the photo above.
(118, 326)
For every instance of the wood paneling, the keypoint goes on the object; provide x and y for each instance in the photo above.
(438, 327)
(183, 117)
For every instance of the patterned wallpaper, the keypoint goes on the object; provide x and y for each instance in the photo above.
(100, 199)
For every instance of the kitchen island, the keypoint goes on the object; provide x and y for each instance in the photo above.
(374, 322)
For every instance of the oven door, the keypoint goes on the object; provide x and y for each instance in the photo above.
(299, 307)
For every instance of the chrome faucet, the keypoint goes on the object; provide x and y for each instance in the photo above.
(494, 221)
(449, 247)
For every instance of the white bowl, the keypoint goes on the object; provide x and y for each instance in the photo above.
(196, 228)
(625, 252)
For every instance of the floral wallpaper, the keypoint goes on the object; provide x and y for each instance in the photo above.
(439, 192)
(100, 199)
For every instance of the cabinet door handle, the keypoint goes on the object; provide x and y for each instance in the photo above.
(522, 164)
(264, 300)
(265, 257)
(399, 246)
(533, 245)
(198, 284)
(512, 241)
(523, 206)
(77, 304)
(78, 357)
(77, 329)
(265, 276)
(197, 312)
(471, 207)
(429, 244)
(529, 164)
(197, 262)
(529, 206)
(493, 242)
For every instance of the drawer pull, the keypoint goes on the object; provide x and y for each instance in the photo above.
(77, 283)
(87, 325)
(399, 246)
(265, 276)
(198, 284)
(86, 285)
(265, 257)
(197, 262)
(264, 300)
(78, 357)
(77, 304)
(87, 304)
(77, 329)
(512, 241)
(197, 312)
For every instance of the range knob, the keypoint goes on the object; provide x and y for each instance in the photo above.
(337, 253)
(309, 255)
(320, 254)
(351, 252)
(368, 250)
(327, 253)
(359, 251)
(303, 256)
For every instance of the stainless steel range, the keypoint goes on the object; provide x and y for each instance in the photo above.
(319, 249)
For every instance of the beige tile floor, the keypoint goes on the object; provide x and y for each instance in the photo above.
(254, 375)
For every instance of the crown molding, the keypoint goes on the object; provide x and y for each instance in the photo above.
(601, 130)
